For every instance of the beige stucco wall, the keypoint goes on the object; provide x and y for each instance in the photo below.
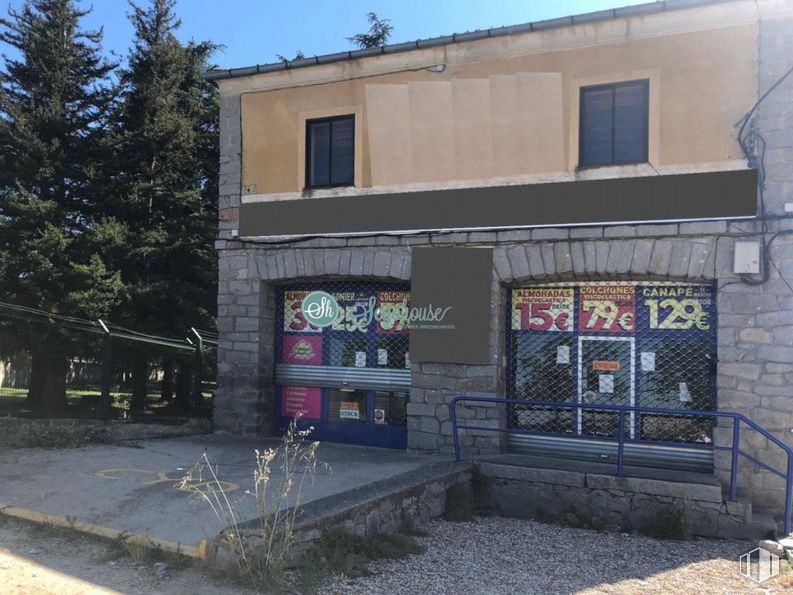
(508, 106)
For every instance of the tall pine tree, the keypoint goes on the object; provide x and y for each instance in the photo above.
(54, 100)
(162, 188)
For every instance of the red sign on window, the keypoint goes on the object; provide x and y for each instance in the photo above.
(543, 309)
(607, 308)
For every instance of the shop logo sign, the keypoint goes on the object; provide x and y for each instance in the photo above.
(320, 308)
(759, 565)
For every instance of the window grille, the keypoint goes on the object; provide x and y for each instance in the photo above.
(635, 344)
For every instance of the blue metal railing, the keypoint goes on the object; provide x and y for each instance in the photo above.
(621, 440)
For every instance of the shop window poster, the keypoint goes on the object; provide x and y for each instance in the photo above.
(302, 350)
(607, 308)
(301, 400)
(543, 309)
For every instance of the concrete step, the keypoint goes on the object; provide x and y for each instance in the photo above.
(602, 468)
(518, 484)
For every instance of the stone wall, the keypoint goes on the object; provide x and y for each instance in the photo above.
(624, 502)
(387, 506)
(753, 356)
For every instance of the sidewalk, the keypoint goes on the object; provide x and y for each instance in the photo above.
(133, 488)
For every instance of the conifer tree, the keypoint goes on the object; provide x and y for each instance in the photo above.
(162, 186)
(378, 34)
(54, 99)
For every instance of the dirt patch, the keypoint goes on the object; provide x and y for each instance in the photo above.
(43, 561)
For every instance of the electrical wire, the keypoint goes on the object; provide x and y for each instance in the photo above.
(36, 315)
(753, 146)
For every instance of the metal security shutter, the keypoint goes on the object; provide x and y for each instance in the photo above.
(640, 455)
(339, 377)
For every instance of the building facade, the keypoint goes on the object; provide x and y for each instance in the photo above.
(598, 158)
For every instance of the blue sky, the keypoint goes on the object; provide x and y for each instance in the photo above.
(254, 31)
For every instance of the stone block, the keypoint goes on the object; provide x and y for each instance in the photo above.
(422, 441)
(536, 267)
(562, 259)
(659, 261)
(430, 425)
(503, 270)
(368, 263)
(601, 257)
(590, 257)
(495, 471)
(619, 231)
(514, 235)
(679, 260)
(615, 252)
(755, 335)
(642, 251)
(778, 354)
(382, 260)
(577, 257)
(482, 237)
(625, 258)
(656, 487)
(421, 409)
(585, 232)
(656, 230)
(549, 233)
(703, 228)
(518, 262)
(741, 370)
(548, 260)
(699, 256)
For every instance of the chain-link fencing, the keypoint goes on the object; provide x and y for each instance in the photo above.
(633, 344)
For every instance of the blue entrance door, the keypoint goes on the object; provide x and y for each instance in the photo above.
(365, 417)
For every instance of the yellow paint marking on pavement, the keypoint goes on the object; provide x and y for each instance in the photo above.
(105, 532)
(106, 473)
(160, 477)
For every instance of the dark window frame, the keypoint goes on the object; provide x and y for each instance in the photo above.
(645, 157)
(329, 120)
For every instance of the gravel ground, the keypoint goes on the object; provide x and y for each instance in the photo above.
(489, 555)
(496, 555)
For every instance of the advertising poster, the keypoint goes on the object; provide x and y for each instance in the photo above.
(294, 321)
(393, 312)
(607, 308)
(349, 410)
(677, 308)
(356, 312)
(304, 351)
(543, 309)
(301, 400)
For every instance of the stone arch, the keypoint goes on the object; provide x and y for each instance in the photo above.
(684, 259)
(392, 263)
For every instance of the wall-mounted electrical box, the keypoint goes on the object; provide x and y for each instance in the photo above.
(747, 258)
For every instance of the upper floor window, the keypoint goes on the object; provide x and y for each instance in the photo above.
(613, 126)
(330, 152)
